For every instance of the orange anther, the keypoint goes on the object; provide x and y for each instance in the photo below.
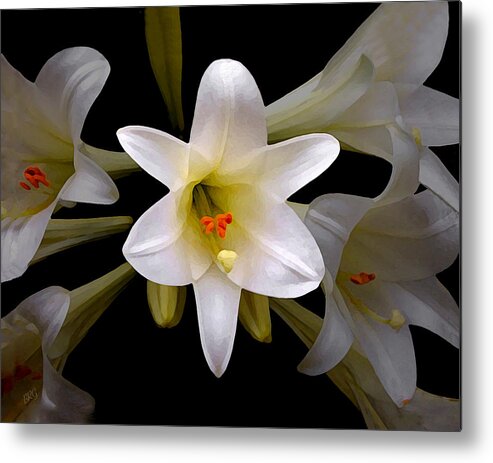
(220, 223)
(362, 278)
(406, 402)
(34, 175)
(209, 224)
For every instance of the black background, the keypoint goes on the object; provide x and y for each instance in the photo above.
(138, 373)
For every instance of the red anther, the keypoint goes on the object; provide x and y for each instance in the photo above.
(362, 278)
(7, 384)
(34, 175)
(36, 375)
(209, 224)
(25, 186)
(220, 223)
(21, 371)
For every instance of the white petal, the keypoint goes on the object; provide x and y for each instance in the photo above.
(372, 140)
(47, 309)
(404, 41)
(61, 401)
(434, 113)
(404, 180)
(331, 219)
(229, 120)
(277, 255)
(391, 354)
(89, 184)
(166, 248)
(285, 167)
(161, 155)
(378, 106)
(332, 343)
(21, 238)
(332, 95)
(217, 300)
(434, 175)
(408, 240)
(428, 304)
(72, 79)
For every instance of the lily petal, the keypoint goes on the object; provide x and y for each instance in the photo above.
(72, 79)
(325, 98)
(412, 239)
(435, 114)
(161, 155)
(89, 184)
(218, 300)
(405, 41)
(21, 238)
(164, 250)
(428, 304)
(434, 175)
(286, 167)
(331, 219)
(332, 343)
(229, 119)
(391, 353)
(404, 180)
(277, 255)
(60, 400)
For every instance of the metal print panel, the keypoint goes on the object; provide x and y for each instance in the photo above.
(232, 216)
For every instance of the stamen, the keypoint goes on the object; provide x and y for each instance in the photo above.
(208, 222)
(417, 136)
(396, 320)
(220, 224)
(34, 175)
(362, 278)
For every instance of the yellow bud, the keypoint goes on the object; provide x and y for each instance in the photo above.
(254, 315)
(166, 303)
(227, 259)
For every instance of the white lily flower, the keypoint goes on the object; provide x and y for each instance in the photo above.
(356, 378)
(225, 224)
(381, 263)
(40, 139)
(375, 81)
(37, 337)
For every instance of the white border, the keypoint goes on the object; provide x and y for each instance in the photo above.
(141, 444)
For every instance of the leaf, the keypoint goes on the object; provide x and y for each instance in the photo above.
(163, 36)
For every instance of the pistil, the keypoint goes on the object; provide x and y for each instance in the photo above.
(396, 320)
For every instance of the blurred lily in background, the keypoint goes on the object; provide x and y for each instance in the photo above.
(225, 224)
(375, 81)
(42, 165)
(37, 338)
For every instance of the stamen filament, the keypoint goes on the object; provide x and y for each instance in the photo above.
(396, 321)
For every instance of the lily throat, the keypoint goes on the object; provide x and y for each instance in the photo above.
(214, 224)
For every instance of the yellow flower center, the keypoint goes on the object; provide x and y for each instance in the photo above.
(217, 223)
